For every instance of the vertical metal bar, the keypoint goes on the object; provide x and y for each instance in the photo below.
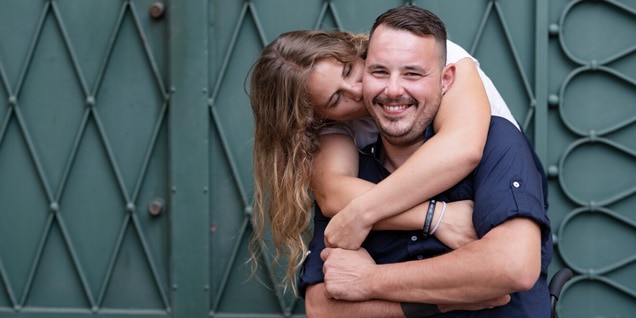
(541, 81)
(188, 135)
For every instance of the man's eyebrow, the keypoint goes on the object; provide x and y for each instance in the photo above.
(417, 68)
(374, 65)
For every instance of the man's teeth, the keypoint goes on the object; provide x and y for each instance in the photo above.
(395, 107)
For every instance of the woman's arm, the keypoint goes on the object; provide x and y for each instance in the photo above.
(338, 162)
(461, 127)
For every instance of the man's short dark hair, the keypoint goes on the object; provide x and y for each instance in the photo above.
(416, 20)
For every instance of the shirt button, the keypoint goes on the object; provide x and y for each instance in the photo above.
(420, 257)
(515, 184)
(413, 238)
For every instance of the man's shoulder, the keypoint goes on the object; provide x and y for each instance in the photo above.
(502, 125)
(503, 135)
(507, 146)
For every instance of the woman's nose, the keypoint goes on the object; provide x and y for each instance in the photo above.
(354, 90)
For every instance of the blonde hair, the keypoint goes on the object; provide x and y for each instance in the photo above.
(286, 139)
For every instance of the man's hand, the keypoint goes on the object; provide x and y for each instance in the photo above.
(347, 273)
(348, 228)
(348, 276)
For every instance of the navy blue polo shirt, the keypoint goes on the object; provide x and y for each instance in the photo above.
(509, 182)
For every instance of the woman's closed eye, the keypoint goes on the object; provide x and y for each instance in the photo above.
(334, 100)
(346, 70)
(337, 96)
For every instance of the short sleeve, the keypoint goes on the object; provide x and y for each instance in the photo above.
(509, 181)
(311, 270)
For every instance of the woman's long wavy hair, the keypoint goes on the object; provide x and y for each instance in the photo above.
(286, 139)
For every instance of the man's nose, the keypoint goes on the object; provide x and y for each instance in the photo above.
(394, 87)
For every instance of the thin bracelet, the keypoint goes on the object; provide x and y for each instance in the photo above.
(426, 231)
(440, 218)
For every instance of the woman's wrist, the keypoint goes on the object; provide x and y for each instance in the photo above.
(364, 213)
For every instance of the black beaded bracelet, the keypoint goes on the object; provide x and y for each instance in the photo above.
(416, 310)
(426, 231)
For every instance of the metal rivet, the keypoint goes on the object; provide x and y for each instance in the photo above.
(553, 100)
(553, 171)
(157, 10)
(90, 101)
(249, 210)
(156, 206)
(594, 64)
(553, 29)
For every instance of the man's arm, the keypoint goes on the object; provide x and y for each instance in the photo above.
(506, 260)
(317, 304)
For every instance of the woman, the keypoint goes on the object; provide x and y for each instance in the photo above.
(302, 83)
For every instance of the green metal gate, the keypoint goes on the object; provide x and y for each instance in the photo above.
(125, 145)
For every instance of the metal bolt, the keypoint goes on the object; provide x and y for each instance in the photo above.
(156, 206)
(157, 10)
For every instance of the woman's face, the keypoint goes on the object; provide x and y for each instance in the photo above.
(336, 89)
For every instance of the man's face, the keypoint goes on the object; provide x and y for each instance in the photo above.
(403, 83)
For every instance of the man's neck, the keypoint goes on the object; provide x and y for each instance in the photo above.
(394, 156)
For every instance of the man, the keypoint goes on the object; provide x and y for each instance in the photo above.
(404, 81)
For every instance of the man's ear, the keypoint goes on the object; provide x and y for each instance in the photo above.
(448, 76)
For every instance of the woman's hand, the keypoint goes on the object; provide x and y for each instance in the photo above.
(348, 228)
